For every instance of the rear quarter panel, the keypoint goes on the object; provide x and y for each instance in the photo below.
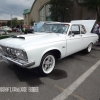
(89, 38)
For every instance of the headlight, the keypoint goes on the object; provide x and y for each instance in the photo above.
(20, 54)
(13, 52)
(0, 49)
(8, 50)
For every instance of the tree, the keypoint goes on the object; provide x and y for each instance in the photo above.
(21, 22)
(9, 23)
(31, 22)
(15, 22)
(4, 24)
(60, 9)
(93, 5)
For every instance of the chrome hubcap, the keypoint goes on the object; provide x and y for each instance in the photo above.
(48, 64)
(90, 47)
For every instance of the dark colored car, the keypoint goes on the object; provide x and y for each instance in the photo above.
(15, 29)
(28, 29)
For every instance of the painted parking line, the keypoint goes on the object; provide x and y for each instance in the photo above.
(73, 94)
(68, 91)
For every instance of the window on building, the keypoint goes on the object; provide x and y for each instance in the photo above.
(48, 13)
(42, 10)
(45, 13)
(25, 15)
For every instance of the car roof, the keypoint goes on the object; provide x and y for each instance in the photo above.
(57, 23)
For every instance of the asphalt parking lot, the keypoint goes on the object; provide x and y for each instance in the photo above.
(76, 77)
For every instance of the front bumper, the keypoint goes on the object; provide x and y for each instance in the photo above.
(18, 62)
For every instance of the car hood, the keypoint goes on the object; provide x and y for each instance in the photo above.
(87, 23)
(31, 39)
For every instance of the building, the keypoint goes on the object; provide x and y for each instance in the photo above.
(3, 22)
(40, 12)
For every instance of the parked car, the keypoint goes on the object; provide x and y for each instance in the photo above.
(28, 29)
(53, 41)
(15, 29)
(3, 32)
(6, 28)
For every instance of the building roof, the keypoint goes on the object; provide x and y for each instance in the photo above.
(26, 11)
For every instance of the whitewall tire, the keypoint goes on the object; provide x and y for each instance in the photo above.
(89, 48)
(47, 64)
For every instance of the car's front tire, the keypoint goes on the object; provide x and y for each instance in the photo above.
(47, 64)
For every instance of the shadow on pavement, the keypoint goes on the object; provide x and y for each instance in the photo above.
(58, 74)
(31, 77)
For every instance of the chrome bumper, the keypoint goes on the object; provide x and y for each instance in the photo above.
(17, 62)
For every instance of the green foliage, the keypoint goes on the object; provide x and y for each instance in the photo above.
(15, 22)
(9, 23)
(21, 22)
(32, 22)
(93, 5)
(60, 9)
(3, 24)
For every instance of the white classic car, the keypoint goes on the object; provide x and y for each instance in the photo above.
(53, 41)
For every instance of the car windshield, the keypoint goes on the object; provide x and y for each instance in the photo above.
(54, 28)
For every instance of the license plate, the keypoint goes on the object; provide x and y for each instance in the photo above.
(4, 59)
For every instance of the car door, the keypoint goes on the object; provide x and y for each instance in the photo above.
(74, 40)
(85, 36)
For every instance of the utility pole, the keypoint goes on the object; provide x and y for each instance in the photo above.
(11, 21)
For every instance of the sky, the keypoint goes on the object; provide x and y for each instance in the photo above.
(14, 8)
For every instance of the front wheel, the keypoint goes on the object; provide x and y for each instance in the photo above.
(89, 48)
(47, 64)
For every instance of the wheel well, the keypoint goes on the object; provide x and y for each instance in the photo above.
(90, 43)
(55, 52)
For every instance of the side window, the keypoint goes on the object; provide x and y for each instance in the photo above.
(82, 29)
(75, 29)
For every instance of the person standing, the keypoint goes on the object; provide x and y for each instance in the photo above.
(99, 31)
(20, 28)
(96, 29)
(24, 30)
(99, 27)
